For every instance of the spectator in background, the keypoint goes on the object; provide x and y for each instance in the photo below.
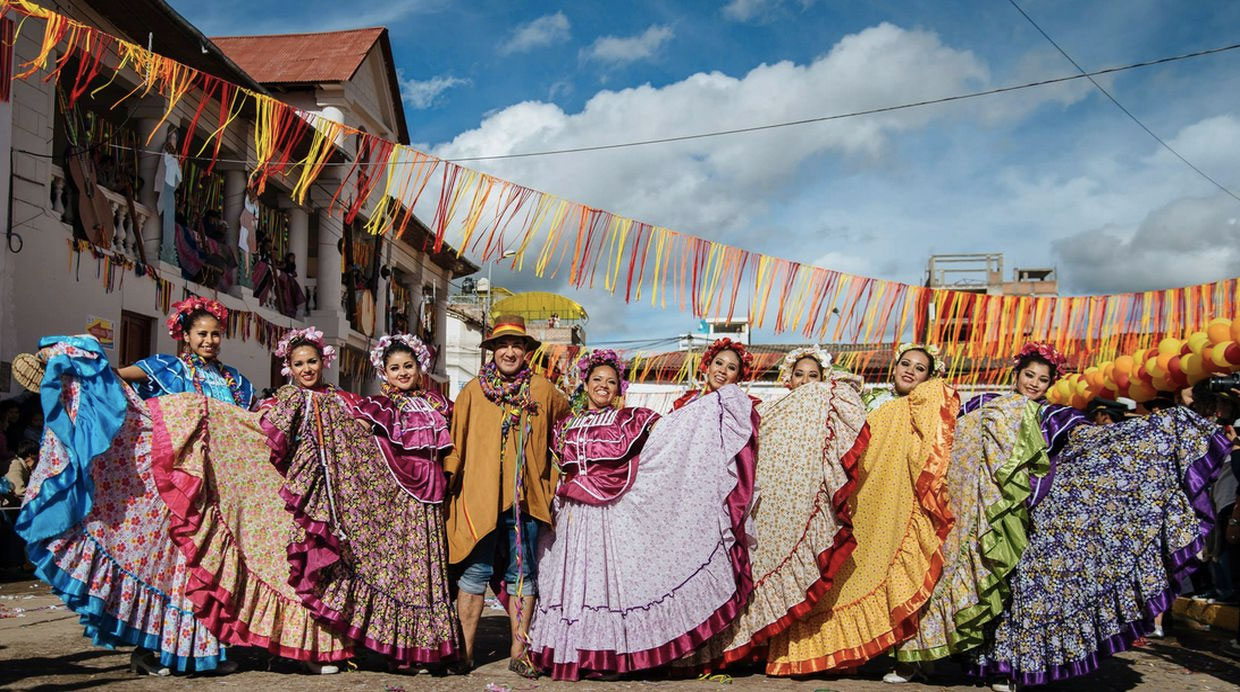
(9, 413)
(1231, 522)
(1105, 411)
(18, 474)
(32, 431)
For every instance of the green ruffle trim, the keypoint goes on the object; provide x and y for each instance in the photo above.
(1002, 545)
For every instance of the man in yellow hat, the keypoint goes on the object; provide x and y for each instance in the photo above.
(501, 482)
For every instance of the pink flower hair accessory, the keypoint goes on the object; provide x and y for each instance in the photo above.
(421, 353)
(602, 356)
(1044, 350)
(300, 337)
(183, 309)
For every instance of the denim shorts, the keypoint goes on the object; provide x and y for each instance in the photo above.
(481, 563)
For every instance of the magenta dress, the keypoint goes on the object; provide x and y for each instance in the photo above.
(649, 557)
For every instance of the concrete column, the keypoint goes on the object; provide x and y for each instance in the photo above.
(234, 200)
(299, 241)
(148, 168)
(331, 230)
(381, 301)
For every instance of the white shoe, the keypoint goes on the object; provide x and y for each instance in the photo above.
(1005, 686)
(322, 668)
(1157, 633)
(905, 672)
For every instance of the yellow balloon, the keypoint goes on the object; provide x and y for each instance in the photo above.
(1151, 366)
(1198, 341)
(1169, 346)
(1217, 354)
(1193, 366)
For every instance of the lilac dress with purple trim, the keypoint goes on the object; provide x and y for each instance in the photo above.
(649, 557)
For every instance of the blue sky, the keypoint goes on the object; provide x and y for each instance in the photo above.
(1053, 176)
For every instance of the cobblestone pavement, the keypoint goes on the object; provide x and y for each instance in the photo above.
(42, 648)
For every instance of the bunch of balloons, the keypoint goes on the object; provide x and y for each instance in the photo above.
(1171, 366)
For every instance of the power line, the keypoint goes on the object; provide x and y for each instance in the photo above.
(789, 123)
(869, 111)
(1090, 77)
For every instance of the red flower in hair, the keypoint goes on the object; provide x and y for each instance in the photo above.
(1044, 350)
(187, 307)
(726, 344)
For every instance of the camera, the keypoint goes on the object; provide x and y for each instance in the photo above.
(1224, 383)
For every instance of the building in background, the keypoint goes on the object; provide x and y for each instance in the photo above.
(274, 263)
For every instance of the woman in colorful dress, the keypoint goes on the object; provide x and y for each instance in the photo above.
(199, 324)
(364, 479)
(649, 554)
(1116, 533)
(998, 444)
(94, 522)
(809, 445)
(225, 511)
(900, 519)
(723, 363)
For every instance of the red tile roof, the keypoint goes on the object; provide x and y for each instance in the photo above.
(329, 56)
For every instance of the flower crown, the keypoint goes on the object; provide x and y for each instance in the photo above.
(1043, 350)
(790, 361)
(605, 356)
(421, 353)
(726, 344)
(183, 309)
(938, 365)
(309, 335)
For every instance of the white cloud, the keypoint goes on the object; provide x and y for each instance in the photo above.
(625, 49)
(760, 11)
(544, 31)
(1188, 241)
(423, 94)
(716, 186)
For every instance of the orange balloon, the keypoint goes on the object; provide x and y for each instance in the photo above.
(1141, 392)
(1163, 363)
(1078, 402)
(1219, 330)
(1235, 329)
(1124, 364)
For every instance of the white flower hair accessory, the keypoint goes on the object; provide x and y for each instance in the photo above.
(790, 361)
(299, 337)
(938, 364)
(421, 353)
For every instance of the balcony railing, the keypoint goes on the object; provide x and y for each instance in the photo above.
(127, 220)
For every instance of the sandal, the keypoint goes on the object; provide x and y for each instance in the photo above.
(524, 667)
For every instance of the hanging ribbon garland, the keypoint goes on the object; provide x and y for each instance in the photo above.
(490, 217)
